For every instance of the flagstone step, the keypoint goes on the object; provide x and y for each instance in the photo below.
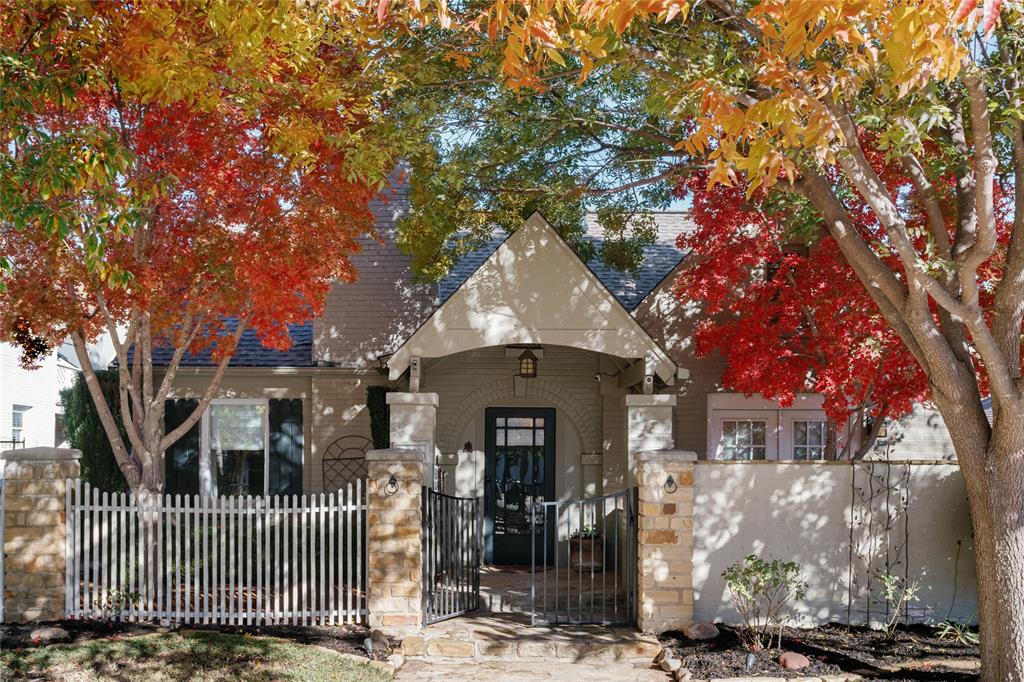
(510, 637)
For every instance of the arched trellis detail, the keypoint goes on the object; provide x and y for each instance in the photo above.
(455, 425)
(344, 461)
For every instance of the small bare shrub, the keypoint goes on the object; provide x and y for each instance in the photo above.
(763, 591)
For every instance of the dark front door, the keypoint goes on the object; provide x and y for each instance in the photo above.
(518, 476)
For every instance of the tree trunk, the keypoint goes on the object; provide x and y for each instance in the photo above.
(147, 495)
(994, 475)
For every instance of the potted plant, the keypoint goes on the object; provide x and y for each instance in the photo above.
(586, 549)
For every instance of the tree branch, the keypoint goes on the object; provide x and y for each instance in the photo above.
(204, 402)
(129, 464)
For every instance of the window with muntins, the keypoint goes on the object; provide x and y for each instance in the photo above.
(237, 447)
(18, 422)
(809, 439)
(743, 439)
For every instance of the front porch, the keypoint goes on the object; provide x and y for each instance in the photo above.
(581, 595)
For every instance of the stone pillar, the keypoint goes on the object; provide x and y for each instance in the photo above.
(35, 532)
(648, 423)
(414, 426)
(394, 539)
(665, 543)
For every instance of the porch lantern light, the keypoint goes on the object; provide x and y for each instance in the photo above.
(527, 364)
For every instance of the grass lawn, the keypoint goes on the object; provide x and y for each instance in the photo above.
(191, 656)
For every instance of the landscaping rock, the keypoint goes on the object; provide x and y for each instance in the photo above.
(683, 675)
(414, 645)
(670, 665)
(49, 635)
(662, 655)
(396, 660)
(790, 660)
(700, 631)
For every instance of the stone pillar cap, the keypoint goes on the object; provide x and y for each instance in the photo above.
(666, 456)
(41, 454)
(651, 400)
(396, 398)
(395, 455)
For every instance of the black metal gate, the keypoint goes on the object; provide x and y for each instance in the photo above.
(589, 573)
(451, 555)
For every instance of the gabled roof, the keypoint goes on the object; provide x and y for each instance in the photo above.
(532, 289)
(629, 288)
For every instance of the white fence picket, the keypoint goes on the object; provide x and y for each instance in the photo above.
(228, 560)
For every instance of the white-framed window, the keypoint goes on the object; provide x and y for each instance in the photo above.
(744, 439)
(809, 438)
(742, 428)
(234, 448)
(18, 422)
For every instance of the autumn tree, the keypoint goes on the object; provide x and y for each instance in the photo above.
(783, 308)
(777, 95)
(173, 175)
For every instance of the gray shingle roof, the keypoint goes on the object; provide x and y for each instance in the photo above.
(377, 313)
(659, 260)
(252, 353)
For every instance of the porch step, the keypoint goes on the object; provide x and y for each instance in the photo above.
(510, 637)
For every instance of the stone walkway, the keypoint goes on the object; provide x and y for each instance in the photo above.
(513, 671)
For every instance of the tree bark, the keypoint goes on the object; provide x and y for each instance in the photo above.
(993, 471)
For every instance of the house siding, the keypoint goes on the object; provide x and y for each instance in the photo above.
(919, 435)
(37, 389)
(467, 383)
(339, 402)
(671, 323)
(374, 315)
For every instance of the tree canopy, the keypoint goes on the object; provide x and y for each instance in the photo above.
(173, 175)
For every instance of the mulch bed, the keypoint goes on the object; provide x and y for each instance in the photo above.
(914, 655)
(346, 639)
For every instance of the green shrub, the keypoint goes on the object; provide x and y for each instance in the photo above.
(898, 593)
(84, 431)
(960, 632)
(762, 591)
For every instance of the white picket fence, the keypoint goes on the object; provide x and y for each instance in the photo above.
(297, 560)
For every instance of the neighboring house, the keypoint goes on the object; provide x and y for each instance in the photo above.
(530, 352)
(30, 408)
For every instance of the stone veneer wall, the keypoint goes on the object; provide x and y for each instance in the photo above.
(35, 532)
(394, 539)
(665, 546)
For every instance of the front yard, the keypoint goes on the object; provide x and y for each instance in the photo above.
(195, 656)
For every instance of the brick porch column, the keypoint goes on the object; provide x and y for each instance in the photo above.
(665, 543)
(35, 532)
(394, 539)
(414, 426)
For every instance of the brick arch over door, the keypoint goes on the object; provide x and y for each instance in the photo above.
(588, 427)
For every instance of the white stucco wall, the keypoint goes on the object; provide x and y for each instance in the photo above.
(37, 389)
(802, 511)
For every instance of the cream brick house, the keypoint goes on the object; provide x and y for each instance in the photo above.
(525, 373)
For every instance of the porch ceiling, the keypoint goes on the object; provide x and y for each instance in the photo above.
(533, 289)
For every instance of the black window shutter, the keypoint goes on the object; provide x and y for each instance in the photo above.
(181, 461)
(285, 447)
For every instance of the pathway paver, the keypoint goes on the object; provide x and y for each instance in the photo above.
(513, 671)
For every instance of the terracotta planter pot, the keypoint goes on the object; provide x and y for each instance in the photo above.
(586, 553)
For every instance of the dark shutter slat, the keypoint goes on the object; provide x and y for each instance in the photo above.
(286, 447)
(181, 461)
